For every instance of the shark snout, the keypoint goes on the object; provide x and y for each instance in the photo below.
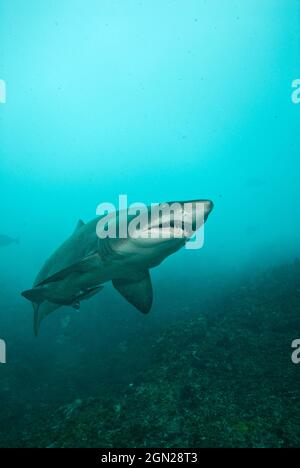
(178, 219)
(207, 204)
(208, 207)
(196, 212)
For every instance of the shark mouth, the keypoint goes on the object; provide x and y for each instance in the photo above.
(172, 229)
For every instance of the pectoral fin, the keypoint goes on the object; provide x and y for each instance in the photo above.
(83, 266)
(34, 295)
(138, 291)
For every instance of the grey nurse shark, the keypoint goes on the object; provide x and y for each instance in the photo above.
(78, 269)
(7, 240)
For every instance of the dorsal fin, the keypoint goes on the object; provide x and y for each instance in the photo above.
(79, 225)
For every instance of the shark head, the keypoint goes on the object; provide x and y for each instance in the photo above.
(157, 231)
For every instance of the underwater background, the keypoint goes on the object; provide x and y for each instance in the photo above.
(160, 100)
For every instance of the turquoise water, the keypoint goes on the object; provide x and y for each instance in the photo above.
(161, 100)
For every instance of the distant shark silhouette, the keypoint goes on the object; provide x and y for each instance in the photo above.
(6, 240)
(77, 270)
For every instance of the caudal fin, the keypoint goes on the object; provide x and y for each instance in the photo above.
(35, 296)
(40, 312)
(36, 319)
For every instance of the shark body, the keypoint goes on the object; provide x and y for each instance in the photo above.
(7, 240)
(78, 269)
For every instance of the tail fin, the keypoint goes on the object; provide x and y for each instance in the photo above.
(40, 312)
(35, 296)
(41, 306)
(36, 320)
